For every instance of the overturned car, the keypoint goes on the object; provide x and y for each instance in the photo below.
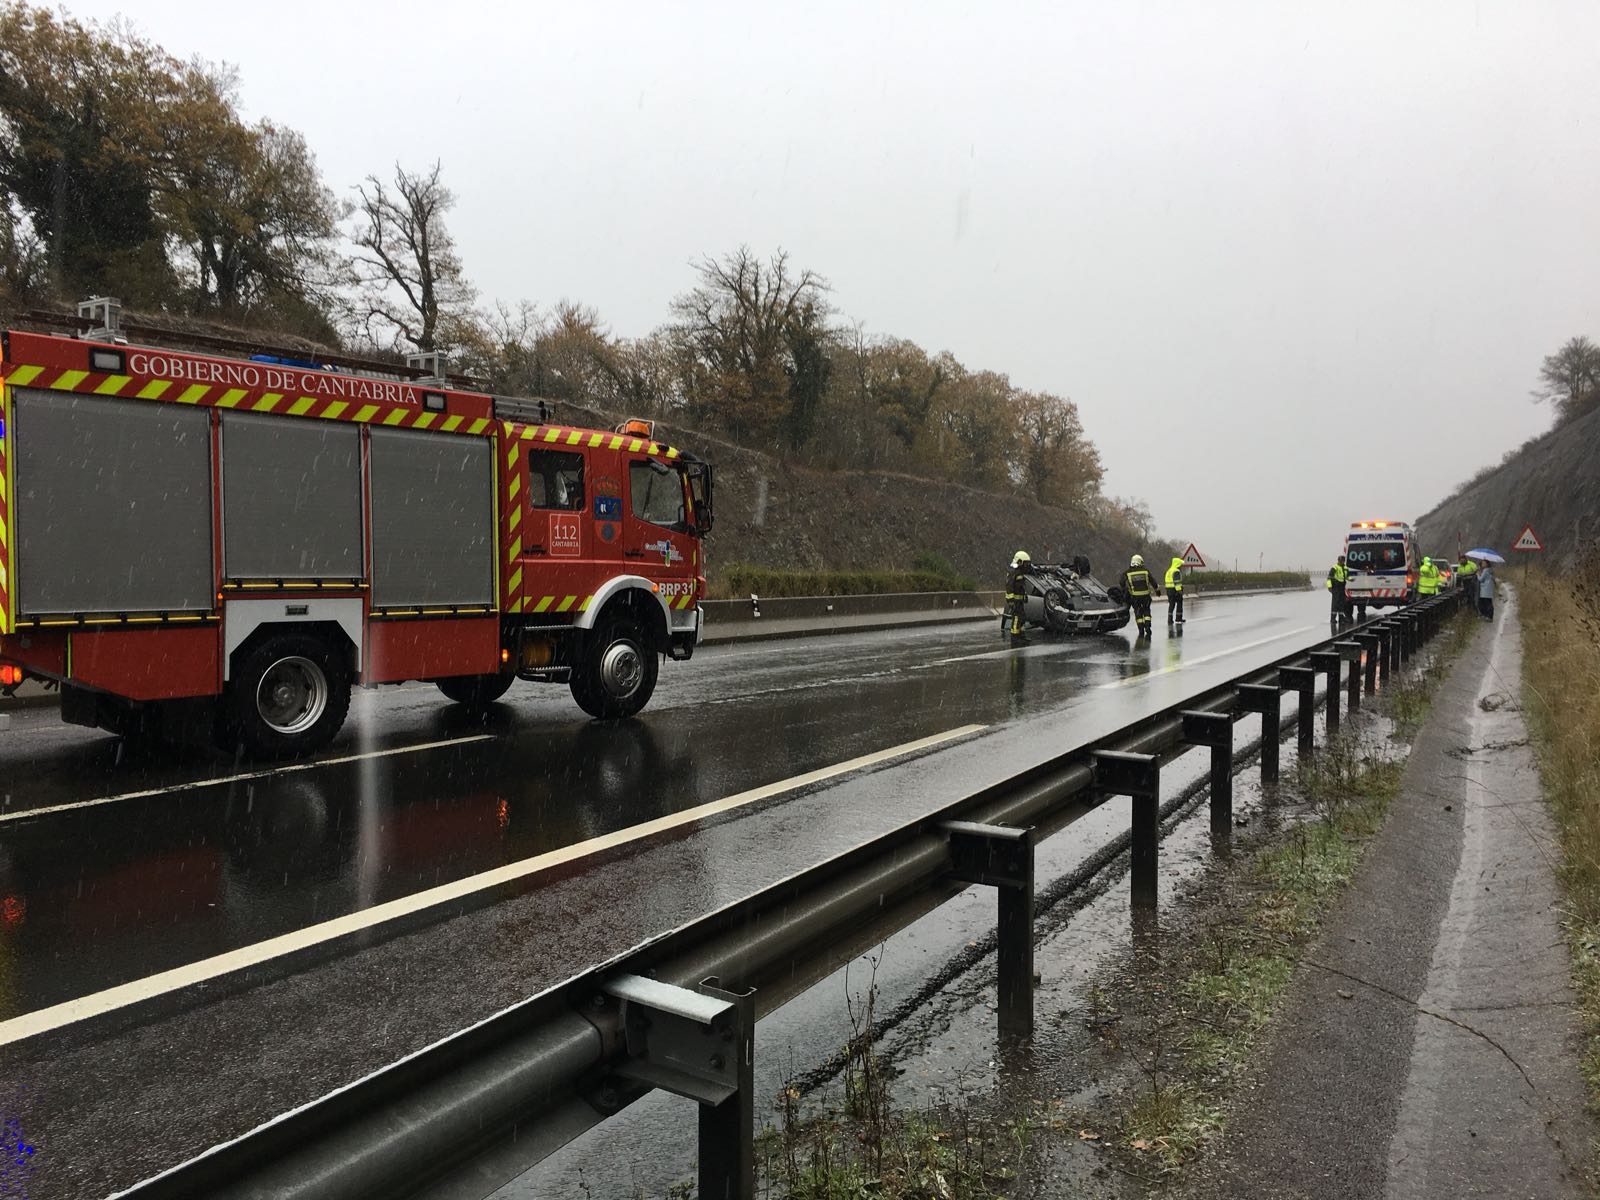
(1066, 598)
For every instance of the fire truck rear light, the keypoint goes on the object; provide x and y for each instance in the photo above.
(10, 676)
(433, 401)
(505, 656)
(111, 362)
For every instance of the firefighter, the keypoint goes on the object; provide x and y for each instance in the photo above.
(1338, 576)
(1175, 593)
(1017, 594)
(1139, 585)
(1427, 578)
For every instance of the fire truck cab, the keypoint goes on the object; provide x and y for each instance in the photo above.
(231, 543)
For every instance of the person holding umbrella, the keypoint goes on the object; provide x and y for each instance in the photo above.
(1485, 577)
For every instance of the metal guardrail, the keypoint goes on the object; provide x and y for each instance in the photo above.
(467, 1114)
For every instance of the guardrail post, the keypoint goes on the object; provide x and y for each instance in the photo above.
(1351, 651)
(1370, 648)
(1407, 628)
(1215, 730)
(727, 1130)
(1391, 649)
(699, 1044)
(1302, 680)
(1002, 857)
(1139, 777)
(1262, 698)
(1326, 662)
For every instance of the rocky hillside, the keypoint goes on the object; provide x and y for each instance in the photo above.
(776, 513)
(1552, 484)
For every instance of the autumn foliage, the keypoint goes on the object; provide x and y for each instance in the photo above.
(125, 171)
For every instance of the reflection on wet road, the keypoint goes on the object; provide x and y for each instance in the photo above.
(163, 859)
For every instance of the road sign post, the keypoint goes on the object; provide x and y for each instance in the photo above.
(1527, 542)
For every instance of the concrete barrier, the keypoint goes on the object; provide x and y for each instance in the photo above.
(800, 616)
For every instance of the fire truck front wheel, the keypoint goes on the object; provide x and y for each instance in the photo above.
(288, 697)
(617, 672)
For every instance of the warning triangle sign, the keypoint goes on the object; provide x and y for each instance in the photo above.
(1191, 557)
(1527, 540)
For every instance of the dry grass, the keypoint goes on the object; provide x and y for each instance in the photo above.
(1561, 663)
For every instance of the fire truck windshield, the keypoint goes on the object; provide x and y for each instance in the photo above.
(657, 493)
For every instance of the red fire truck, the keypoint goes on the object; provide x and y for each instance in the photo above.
(195, 540)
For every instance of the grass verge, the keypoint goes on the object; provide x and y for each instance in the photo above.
(860, 1145)
(1233, 973)
(1236, 971)
(1560, 663)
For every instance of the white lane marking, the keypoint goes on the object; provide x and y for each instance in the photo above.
(60, 1015)
(1205, 658)
(287, 769)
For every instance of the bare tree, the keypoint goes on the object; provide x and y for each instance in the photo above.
(751, 341)
(1570, 379)
(414, 289)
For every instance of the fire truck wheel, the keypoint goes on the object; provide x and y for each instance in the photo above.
(475, 691)
(288, 697)
(618, 671)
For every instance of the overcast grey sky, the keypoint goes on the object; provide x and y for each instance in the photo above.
(1296, 263)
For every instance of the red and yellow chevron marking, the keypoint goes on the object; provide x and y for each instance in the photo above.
(511, 525)
(559, 435)
(128, 387)
(5, 513)
(578, 604)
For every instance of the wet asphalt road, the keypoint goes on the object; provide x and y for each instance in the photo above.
(204, 855)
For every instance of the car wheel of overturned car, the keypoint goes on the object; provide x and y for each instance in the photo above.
(1057, 616)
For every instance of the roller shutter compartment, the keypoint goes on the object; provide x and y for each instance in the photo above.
(433, 541)
(113, 505)
(291, 498)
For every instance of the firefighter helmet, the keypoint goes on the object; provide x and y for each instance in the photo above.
(1020, 557)
(1136, 561)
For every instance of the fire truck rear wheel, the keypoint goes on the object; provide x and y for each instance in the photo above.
(618, 671)
(288, 697)
(475, 691)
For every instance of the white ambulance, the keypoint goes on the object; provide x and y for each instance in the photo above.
(1382, 559)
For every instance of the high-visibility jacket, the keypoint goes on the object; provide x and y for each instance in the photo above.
(1427, 580)
(1175, 575)
(1338, 573)
(1015, 589)
(1469, 568)
(1137, 581)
